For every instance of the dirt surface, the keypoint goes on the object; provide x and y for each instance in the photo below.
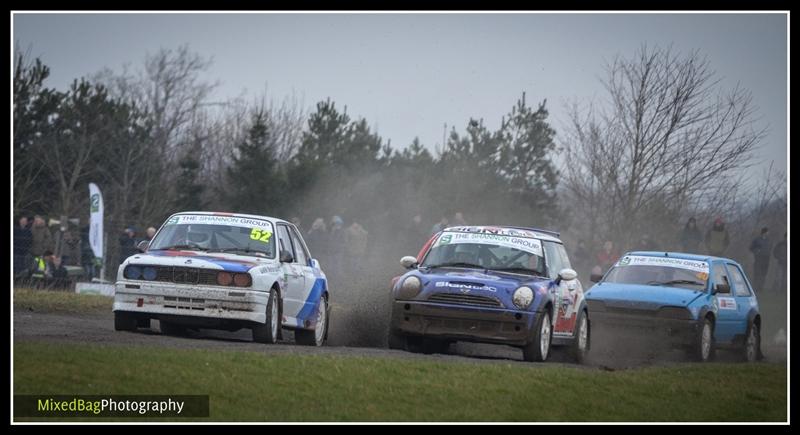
(98, 328)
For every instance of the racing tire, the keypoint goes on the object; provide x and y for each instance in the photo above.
(539, 348)
(703, 349)
(751, 349)
(396, 341)
(124, 321)
(169, 328)
(268, 331)
(143, 322)
(582, 342)
(316, 337)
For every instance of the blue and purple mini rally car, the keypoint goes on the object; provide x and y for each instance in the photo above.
(697, 302)
(503, 285)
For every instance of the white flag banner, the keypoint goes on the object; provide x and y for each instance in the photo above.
(96, 220)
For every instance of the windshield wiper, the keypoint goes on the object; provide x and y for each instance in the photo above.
(457, 264)
(181, 247)
(245, 250)
(676, 281)
(524, 270)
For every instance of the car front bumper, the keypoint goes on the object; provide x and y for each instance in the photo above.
(463, 322)
(668, 331)
(200, 305)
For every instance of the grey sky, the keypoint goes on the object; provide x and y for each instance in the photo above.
(408, 74)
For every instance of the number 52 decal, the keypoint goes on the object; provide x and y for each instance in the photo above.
(259, 235)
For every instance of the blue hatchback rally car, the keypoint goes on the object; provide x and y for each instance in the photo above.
(693, 301)
(503, 285)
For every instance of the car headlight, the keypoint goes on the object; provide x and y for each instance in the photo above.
(133, 272)
(410, 287)
(523, 297)
(149, 273)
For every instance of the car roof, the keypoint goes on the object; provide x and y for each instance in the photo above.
(681, 255)
(540, 234)
(243, 215)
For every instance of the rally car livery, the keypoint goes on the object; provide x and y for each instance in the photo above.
(693, 301)
(503, 285)
(225, 271)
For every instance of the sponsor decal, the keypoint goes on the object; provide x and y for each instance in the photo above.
(532, 246)
(465, 287)
(637, 260)
(262, 225)
(95, 203)
(726, 303)
(270, 269)
(260, 235)
(496, 231)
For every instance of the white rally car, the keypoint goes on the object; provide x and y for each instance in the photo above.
(225, 271)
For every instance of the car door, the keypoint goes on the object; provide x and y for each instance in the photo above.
(745, 299)
(565, 295)
(314, 283)
(294, 280)
(726, 307)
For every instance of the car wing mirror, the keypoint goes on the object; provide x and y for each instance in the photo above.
(408, 261)
(286, 257)
(142, 246)
(596, 277)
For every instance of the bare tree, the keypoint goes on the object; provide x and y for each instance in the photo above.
(667, 134)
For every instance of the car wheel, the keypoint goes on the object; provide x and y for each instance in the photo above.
(752, 343)
(539, 348)
(318, 335)
(268, 331)
(396, 341)
(124, 321)
(703, 349)
(581, 343)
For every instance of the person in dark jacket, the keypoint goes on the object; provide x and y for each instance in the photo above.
(42, 238)
(87, 255)
(127, 244)
(690, 237)
(717, 238)
(779, 252)
(23, 239)
(761, 247)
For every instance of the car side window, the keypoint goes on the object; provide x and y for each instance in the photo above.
(299, 249)
(740, 284)
(553, 259)
(285, 241)
(564, 258)
(720, 275)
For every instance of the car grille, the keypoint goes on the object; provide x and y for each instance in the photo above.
(631, 311)
(465, 299)
(186, 275)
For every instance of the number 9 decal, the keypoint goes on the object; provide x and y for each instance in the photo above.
(262, 236)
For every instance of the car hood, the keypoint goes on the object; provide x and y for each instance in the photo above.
(216, 261)
(626, 295)
(476, 282)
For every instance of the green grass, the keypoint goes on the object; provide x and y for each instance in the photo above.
(250, 386)
(48, 301)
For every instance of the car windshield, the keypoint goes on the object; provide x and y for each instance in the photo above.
(210, 233)
(498, 253)
(691, 275)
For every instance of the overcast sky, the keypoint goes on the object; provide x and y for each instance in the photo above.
(409, 74)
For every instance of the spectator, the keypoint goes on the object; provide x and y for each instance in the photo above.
(23, 239)
(458, 219)
(335, 246)
(87, 255)
(717, 238)
(355, 241)
(690, 236)
(151, 232)
(71, 249)
(646, 243)
(583, 257)
(780, 254)
(439, 226)
(761, 247)
(415, 236)
(317, 238)
(127, 244)
(607, 256)
(42, 239)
